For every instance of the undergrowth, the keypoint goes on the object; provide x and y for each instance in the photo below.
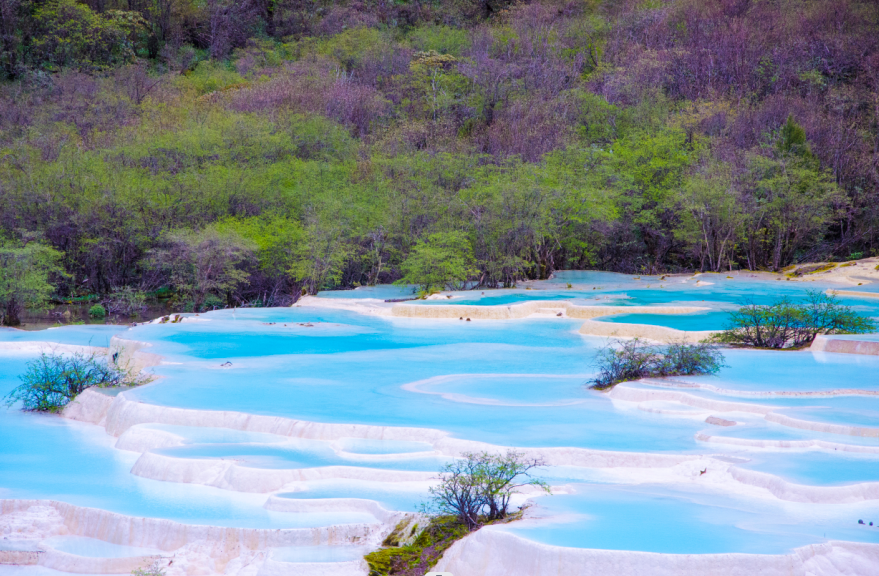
(422, 554)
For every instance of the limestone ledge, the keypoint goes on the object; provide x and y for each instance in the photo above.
(787, 444)
(676, 383)
(118, 415)
(634, 394)
(229, 475)
(525, 309)
(274, 568)
(306, 505)
(791, 492)
(21, 557)
(495, 552)
(169, 535)
(48, 347)
(648, 331)
(826, 427)
(189, 550)
(64, 562)
(853, 293)
(625, 393)
(845, 346)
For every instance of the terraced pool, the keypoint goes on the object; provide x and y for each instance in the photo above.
(314, 427)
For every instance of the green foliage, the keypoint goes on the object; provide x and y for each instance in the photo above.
(277, 240)
(126, 300)
(417, 558)
(25, 279)
(713, 216)
(68, 33)
(441, 39)
(336, 140)
(785, 324)
(792, 139)
(794, 201)
(635, 359)
(354, 45)
(210, 77)
(97, 311)
(599, 122)
(54, 379)
(444, 261)
(204, 266)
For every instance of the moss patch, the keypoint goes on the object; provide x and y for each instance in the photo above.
(812, 269)
(422, 554)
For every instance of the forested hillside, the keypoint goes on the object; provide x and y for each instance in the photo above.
(239, 152)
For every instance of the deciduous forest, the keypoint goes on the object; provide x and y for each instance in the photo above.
(244, 152)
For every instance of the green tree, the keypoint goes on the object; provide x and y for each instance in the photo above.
(713, 216)
(204, 263)
(24, 279)
(68, 33)
(786, 324)
(648, 170)
(790, 204)
(443, 261)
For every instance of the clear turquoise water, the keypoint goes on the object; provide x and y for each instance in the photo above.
(606, 288)
(654, 519)
(818, 467)
(380, 292)
(295, 454)
(94, 548)
(700, 321)
(390, 497)
(45, 456)
(512, 383)
(80, 335)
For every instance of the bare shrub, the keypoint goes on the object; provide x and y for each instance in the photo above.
(477, 488)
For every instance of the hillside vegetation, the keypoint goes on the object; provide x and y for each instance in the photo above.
(241, 152)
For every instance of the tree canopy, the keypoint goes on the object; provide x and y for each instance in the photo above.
(329, 144)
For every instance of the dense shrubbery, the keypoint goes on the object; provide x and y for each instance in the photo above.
(786, 324)
(24, 279)
(54, 379)
(635, 359)
(332, 143)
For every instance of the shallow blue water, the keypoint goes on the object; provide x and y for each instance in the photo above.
(654, 519)
(362, 382)
(295, 454)
(717, 291)
(79, 335)
(514, 383)
(700, 321)
(765, 370)
(45, 456)
(380, 292)
(389, 496)
(94, 548)
(818, 467)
